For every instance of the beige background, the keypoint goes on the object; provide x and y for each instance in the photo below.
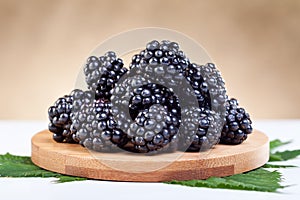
(256, 45)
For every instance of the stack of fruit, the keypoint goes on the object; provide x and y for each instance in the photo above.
(163, 103)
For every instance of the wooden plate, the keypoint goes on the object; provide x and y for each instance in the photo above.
(222, 160)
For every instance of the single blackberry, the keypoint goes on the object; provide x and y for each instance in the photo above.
(80, 100)
(121, 96)
(102, 73)
(200, 130)
(160, 53)
(161, 62)
(207, 85)
(124, 90)
(60, 122)
(154, 130)
(98, 130)
(150, 94)
(60, 116)
(137, 99)
(238, 124)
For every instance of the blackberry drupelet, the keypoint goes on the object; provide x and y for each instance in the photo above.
(98, 130)
(60, 116)
(238, 124)
(102, 73)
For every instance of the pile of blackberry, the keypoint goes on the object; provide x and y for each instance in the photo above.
(163, 103)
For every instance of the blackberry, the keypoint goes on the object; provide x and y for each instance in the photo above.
(121, 96)
(80, 100)
(124, 90)
(60, 116)
(208, 86)
(154, 130)
(102, 73)
(152, 93)
(160, 53)
(200, 130)
(161, 62)
(238, 124)
(98, 129)
(60, 122)
(138, 100)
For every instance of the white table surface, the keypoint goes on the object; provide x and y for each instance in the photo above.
(16, 136)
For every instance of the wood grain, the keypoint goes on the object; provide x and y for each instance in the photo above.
(223, 160)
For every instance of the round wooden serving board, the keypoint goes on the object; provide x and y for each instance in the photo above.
(222, 160)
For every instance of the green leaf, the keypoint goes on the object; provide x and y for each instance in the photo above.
(277, 143)
(273, 158)
(22, 166)
(64, 179)
(284, 155)
(14, 159)
(256, 180)
(277, 166)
